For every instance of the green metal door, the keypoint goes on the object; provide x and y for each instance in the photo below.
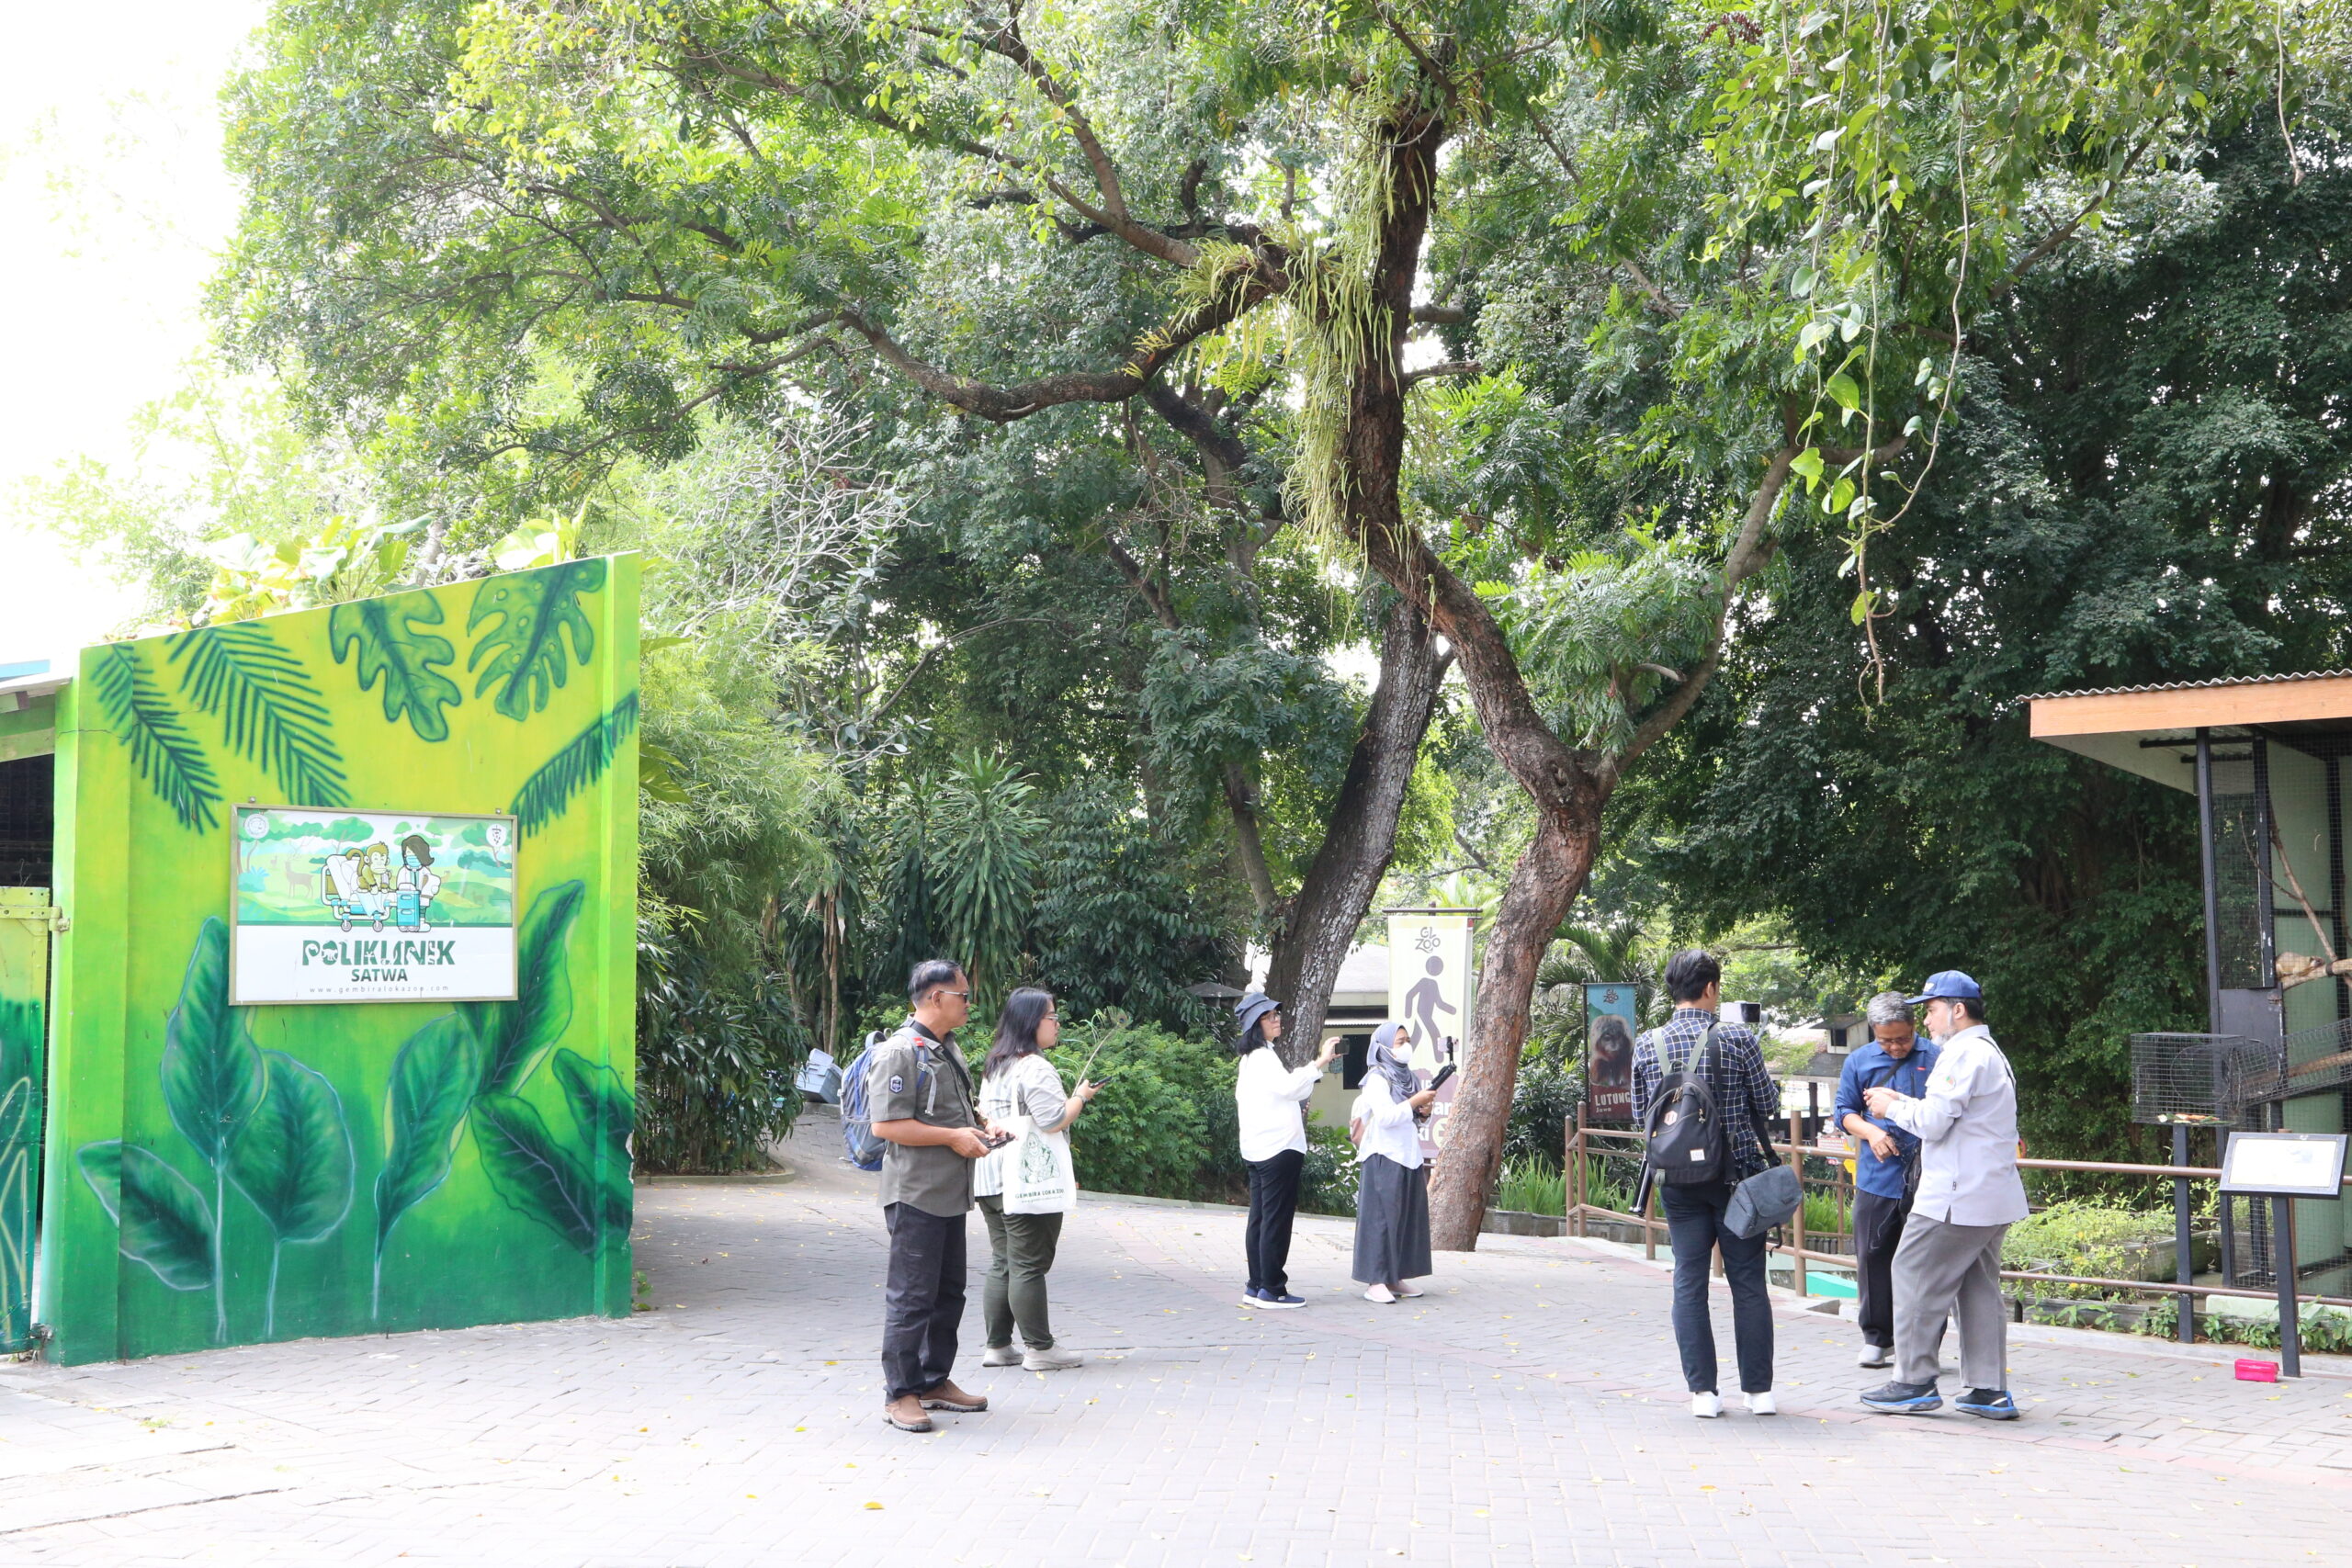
(23, 991)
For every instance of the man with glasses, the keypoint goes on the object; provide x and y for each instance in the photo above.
(1886, 1162)
(1969, 1196)
(922, 1097)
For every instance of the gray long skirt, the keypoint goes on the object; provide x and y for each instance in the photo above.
(1392, 1222)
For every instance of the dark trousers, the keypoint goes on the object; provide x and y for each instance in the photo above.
(1021, 1254)
(1878, 1231)
(1694, 1224)
(1273, 1199)
(923, 1299)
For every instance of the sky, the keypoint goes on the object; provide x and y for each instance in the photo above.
(113, 211)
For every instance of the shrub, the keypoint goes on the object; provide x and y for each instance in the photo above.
(1531, 1187)
(1162, 1126)
(1327, 1184)
(2086, 1238)
(1541, 1104)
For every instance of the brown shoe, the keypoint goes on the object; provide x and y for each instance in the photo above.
(905, 1414)
(947, 1396)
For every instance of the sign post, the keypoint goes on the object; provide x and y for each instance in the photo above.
(2283, 1167)
(1430, 992)
(1610, 1025)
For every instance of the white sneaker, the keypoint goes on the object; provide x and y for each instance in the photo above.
(1762, 1404)
(1055, 1360)
(1001, 1355)
(1410, 1290)
(1382, 1295)
(1706, 1407)
(1875, 1356)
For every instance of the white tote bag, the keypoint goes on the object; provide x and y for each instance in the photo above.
(1038, 1175)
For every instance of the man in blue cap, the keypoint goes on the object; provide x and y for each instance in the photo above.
(1969, 1196)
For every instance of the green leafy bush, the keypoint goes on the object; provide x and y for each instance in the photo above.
(2083, 1238)
(1163, 1125)
(1327, 1184)
(1530, 1187)
(1541, 1104)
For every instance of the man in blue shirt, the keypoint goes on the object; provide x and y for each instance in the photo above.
(1885, 1161)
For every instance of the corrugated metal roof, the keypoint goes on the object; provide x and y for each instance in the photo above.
(2195, 685)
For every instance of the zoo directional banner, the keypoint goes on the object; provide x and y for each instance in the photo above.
(370, 906)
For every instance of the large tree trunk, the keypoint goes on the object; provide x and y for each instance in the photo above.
(1314, 933)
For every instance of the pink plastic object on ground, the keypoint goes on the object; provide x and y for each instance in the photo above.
(2258, 1371)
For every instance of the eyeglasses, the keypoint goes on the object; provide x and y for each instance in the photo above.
(959, 996)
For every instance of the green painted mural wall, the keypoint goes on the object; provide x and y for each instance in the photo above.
(218, 1174)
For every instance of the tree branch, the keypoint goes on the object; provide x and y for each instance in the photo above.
(1451, 368)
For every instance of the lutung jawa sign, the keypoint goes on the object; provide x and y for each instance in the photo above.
(370, 906)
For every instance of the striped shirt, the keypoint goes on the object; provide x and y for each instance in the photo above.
(1746, 1095)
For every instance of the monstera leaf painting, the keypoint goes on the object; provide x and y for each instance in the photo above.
(434, 1079)
(516, 1036)
(536, 1176)
(214, 1078)
(294, 1164)
(163, 1219)
(268, 709)
(384, 635)
(528, 614)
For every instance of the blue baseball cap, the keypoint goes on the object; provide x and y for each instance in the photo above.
(1950, 985)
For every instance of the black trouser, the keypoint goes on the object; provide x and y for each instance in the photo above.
(923, 1299)
(1694, 1224)
(1878, 1231)
(1273, 1199)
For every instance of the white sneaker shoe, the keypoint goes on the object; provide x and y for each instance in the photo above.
(1706, 1407)
(1762, 1404)
(1382, 1295)
(1055, 1360)
(1410, 1290)
(1001, 1356)
(1875, 1356)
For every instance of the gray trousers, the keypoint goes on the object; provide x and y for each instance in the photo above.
(1941, 1267)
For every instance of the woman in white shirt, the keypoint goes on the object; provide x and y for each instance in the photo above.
(1017, 1080)
(1267, 1097)
(1392, 1185)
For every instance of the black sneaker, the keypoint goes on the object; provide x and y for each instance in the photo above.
(1993, 1403)
(1905, 1398)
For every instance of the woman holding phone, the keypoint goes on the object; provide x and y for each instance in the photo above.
(1392, 1184)
(1266, 1101)
(1017, 1080)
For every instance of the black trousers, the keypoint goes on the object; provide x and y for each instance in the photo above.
(923, 1299)
(1878, 1231)
(1274, 1199)
(1694, 1223)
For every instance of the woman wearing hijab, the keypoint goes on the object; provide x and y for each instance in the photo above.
(1393, 1185)
(1266, 1098)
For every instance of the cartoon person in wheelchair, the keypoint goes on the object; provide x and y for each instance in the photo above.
(351, 884)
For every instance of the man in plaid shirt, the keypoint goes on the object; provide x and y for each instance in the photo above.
(1744, 1094)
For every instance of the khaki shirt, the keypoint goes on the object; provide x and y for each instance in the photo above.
(916, 1079)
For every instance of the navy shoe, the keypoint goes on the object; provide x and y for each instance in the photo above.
(1268, 1299)
(1993, 1403)
(1252, 1296)
(1905, 1398)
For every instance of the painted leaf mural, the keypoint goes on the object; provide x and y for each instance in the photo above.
(605, 1113)
(141, 715)
(579, 765)
(20, 1034)
(213, 1074)
(516, 1036)
(529, 615)
(432, 1084)
(383, 634)
(536, 1176)
(213, 1081)
(165, 1222)
(294, 1163)
(269, 711)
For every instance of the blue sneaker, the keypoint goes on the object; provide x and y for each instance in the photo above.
(1905, 1398)
(1280, 1303)
(1993, 1403)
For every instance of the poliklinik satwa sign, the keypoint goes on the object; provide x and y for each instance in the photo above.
(334, 906)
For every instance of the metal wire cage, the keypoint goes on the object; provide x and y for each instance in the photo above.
(2193, 1079)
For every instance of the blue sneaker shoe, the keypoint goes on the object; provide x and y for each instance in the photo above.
(1905, 1398)
(1993, 1403)
(1282, 1302)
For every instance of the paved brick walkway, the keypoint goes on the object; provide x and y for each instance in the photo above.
(1528, 1410)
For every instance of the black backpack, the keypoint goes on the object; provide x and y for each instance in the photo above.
(1683, 1135)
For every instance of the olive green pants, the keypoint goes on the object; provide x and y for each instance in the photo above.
(1020, 1253)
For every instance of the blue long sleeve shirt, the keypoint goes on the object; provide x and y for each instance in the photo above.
(1870, 1067)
